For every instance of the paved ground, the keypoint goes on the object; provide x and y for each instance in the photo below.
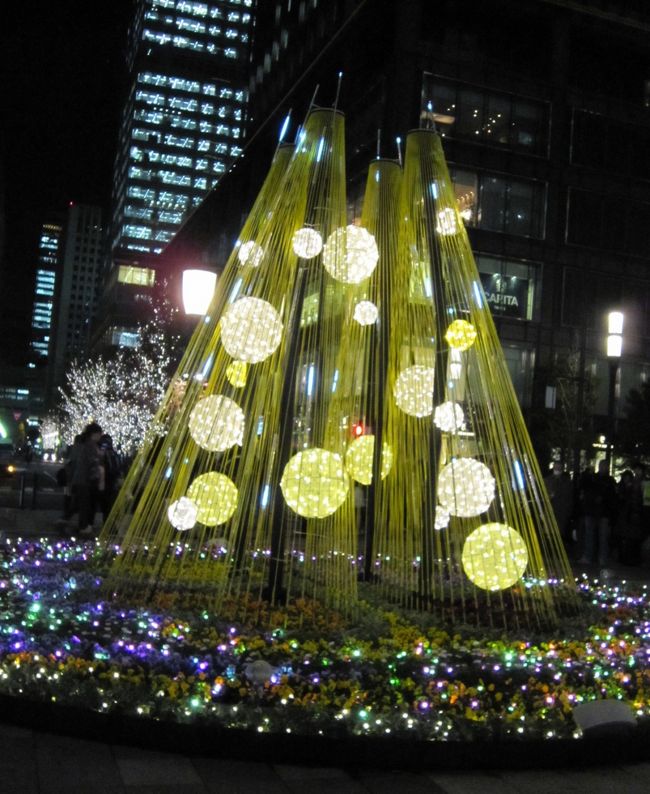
(44, 763)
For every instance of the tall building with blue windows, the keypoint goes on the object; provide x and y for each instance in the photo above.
(183, 125)
(49, 254)
(184, 119)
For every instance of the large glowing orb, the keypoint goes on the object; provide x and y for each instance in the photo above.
(251, 330)
(460, 335)
(307, 243)
(466, 487)
(414, 391)
(494, 557)
(365, 313)
(182, 514)
(215, 496)
(314, 483)
(237, 372)
(358, 459)
(217, 423)
(350, 255)
(449, 417)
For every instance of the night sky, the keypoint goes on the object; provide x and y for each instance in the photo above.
(64, 82)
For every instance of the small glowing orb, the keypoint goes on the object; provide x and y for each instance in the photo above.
(350, 255)
(215, 497)
(365, 313)
(237, 372)
(182, 513)
(217, 423)
(494, 557)
(449, 417)
(460, 335)
(466, 487)
(442, 518)
(447, 223)
(414, 391)
(358, 459)
(251, 330)
(314, 483)
(250, 253)
(307, 243)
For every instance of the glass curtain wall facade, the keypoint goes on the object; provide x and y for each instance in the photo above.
(183, 122)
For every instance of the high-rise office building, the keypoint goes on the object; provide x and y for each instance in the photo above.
(182, 126)
(49, 253)
(80, 281)
(184, 118)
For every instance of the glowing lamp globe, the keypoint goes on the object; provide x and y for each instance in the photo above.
(182, 514)
(250, 253)
(365, 313)
(198, 289)
(236, 373)
(466, 487)
(350, 255)
(413, 391)
(460, 335)
(358, 459)
(215, 496)
(307, 243)
(446, 223)
(314, 483)
(449, 417)
(494, 557)
(217, 423)
(251, 330)
(441, 520)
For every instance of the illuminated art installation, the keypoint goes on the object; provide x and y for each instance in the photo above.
(346, 414)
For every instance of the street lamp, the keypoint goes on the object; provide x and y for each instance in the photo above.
(614, 350)
(198, 289)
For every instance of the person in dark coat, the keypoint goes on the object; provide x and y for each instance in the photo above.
(560, 492)
(599, 503)
(629, 534)
(112, 474)
(88, 477)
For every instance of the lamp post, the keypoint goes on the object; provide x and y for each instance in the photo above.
(614, 350)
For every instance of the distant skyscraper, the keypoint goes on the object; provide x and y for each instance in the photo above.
(80, 285)
(49, 253)
(183, 121)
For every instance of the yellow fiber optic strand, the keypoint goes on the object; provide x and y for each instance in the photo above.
(243, 402)
(459, 441)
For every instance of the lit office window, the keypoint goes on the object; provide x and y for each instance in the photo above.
(142, 276)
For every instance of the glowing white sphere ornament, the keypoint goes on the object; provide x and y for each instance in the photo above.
(358, 459)
(217, 423)
(350, 254)
(449, 417)
(251, 330)
(182, 514)
(413, 391)
(466, 487)
(215, 496)
(307, 243)
(460, 335)
(494, 557)
(250, 253)
(366, 313)
(314, 483)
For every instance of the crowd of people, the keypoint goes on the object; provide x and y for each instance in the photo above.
(602, 521)
(91, 477)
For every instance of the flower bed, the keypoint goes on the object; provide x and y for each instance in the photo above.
(388, 675)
